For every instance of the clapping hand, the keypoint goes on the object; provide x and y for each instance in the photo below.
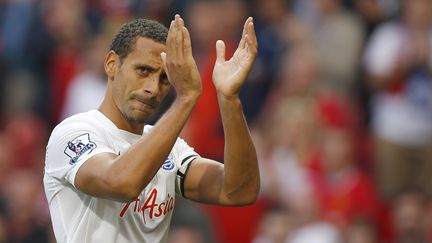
(178, 61)
(230, 75)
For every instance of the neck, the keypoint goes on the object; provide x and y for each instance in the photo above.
(112, 112)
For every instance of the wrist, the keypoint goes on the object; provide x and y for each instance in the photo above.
(189, 98)
(229, 100)
(233, 97)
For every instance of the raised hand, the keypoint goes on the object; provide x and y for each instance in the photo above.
(229, 76)
(178, 61)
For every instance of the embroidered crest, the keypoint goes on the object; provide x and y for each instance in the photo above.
(168, 165)
(79, 146)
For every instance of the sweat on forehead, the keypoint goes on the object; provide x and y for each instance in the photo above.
(124, 41)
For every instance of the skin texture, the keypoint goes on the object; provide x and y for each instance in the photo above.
(138, 84)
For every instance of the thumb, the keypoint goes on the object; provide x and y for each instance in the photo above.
(164, 66)
(163, 57)
(220, 51)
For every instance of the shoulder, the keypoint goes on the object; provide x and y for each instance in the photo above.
(75, 126)
(76, 137)
(80, 120)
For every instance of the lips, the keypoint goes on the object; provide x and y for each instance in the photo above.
(149, 102)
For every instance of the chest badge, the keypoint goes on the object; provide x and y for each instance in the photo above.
(168, 165)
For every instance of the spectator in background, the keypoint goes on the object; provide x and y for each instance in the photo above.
(66, 22)
(275, 226)
(398, 60)
(25, 48)
(2, 229)
(87, 89)
(346, 193)
(287, 174)
(190, 224)
(339, 36)
(27, 218)
(361, 231)
(279, 29)
(5, 160)
(370, 12)
(290, 121)
(25, 136)
(300, 223)
(409, 218)
(270, 18)
(297, 76)
(204, 131)
(185, 234)
(311, 227)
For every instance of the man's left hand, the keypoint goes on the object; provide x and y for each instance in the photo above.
(229, 76)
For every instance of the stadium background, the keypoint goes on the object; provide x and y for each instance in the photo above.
(310, 103)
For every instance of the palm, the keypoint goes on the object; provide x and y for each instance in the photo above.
(230, 75)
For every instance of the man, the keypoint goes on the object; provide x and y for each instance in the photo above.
(111, 178)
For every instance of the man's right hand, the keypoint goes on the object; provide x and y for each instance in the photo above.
(179, 63)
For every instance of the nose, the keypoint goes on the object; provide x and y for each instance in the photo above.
(151, 86)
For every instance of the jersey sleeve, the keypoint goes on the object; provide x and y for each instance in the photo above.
(184, 155)
(70, 146)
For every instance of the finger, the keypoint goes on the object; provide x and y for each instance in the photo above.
(252, 35)
(164, 66)
(187, 45)
(178, 22)
(170, 42)
(220, 51)
(245, 30)
(170, 33)
(163, 57)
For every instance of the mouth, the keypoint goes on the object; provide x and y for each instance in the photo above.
(146, 102)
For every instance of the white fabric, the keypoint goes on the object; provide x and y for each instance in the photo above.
(293, 180)
(80, 218)
(317, 232)
(85, 92)
(405, 117)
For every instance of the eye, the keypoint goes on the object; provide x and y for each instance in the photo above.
(164, 79)
(143, 70)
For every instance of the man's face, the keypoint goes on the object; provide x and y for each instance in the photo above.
(139, 84)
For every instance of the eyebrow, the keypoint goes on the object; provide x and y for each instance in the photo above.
(151, 68)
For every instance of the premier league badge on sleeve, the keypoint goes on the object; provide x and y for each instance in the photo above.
(79, 146)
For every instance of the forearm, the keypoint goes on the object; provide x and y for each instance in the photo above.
(241, 173)
(133, 170)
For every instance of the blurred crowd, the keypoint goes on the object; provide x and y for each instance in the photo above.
(339, 104)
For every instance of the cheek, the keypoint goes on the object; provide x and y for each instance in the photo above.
(119, 89)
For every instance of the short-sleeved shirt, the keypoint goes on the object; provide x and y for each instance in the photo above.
(78, 217)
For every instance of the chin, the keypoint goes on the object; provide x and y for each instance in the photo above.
(137, 116)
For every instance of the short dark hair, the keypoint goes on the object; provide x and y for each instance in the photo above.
(124, 41)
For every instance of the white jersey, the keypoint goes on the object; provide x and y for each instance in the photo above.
(80, 218)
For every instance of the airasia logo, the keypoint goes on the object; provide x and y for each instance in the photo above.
(154, 209)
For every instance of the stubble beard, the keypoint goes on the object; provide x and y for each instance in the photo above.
(137, 117)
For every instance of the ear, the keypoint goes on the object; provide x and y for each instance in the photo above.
(110, 65)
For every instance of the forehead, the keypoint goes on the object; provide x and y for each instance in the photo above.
(146, 51)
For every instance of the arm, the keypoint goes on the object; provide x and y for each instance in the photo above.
(124, 177)
(236, 182)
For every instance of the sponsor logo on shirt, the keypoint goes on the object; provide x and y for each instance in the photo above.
(79, 146)
(149, 208)
(168, 165)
